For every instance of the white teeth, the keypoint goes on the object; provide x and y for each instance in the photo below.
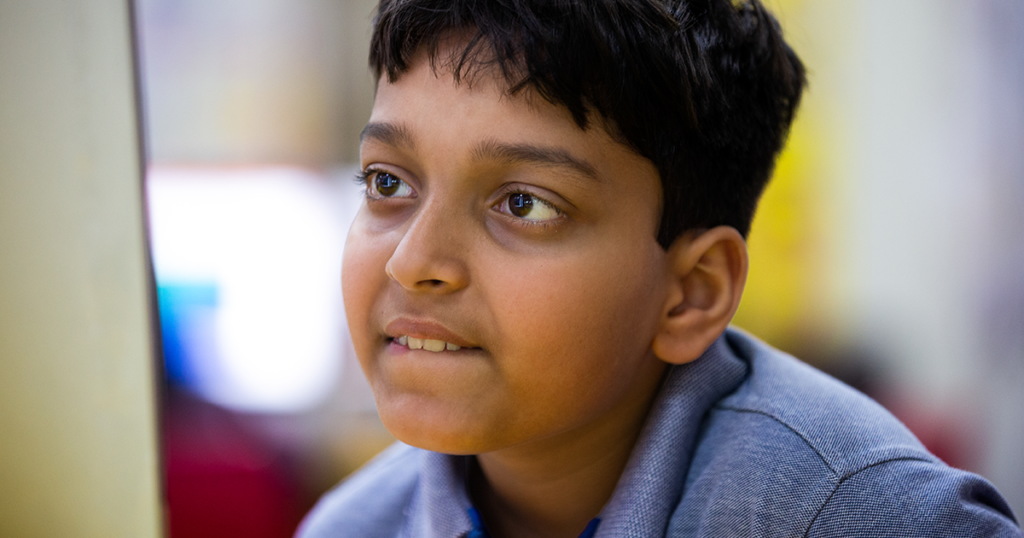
(433, 345)
(427, 344)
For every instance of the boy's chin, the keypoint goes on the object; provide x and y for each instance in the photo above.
(441, 430)
(445, 440)
(461, 433)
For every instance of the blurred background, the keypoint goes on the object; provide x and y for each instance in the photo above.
(887, 251)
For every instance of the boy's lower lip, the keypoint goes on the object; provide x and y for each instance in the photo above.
(425, 372)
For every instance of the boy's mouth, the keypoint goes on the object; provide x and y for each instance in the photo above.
(426, 335)
(425, 344)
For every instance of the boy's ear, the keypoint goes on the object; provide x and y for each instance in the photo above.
(707, 271)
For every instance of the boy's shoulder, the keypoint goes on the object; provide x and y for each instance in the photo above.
(371, 502)
(798, 404)
(794, 452)
(403, 492)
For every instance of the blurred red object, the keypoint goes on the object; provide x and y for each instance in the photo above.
(221, 480)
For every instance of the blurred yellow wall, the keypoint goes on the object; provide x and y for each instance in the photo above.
(78, 454)
(788, 300)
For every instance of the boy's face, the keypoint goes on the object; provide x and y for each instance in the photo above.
(496, 224)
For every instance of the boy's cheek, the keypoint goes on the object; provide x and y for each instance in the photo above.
(362, 275)
(583, 312)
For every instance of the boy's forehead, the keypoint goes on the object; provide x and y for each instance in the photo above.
(426, 112)
(481, 79)
(431, 88)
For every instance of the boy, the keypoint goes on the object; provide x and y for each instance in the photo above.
(540, 281)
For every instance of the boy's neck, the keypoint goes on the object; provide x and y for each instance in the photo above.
(553, 487)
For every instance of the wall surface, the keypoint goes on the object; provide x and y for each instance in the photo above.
(256, 82)
(77, 430)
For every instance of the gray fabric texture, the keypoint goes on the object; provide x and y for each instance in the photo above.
(744, 441)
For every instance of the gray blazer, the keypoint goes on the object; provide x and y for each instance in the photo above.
(745, 441)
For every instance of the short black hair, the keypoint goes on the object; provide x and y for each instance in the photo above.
(705, 89)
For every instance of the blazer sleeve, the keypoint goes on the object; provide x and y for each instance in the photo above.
(914, 498)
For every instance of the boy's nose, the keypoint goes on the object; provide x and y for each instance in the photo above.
(430, 256)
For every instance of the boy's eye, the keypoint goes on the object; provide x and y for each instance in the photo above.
(387, 185)
(528, 207)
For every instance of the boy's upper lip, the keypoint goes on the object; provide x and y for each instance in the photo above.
(423, 328)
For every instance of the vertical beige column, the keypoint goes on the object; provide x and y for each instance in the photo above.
(78, 452)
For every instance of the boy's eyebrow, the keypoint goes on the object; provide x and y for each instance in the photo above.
(392, 134)
(528, 153)
(398, 135)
